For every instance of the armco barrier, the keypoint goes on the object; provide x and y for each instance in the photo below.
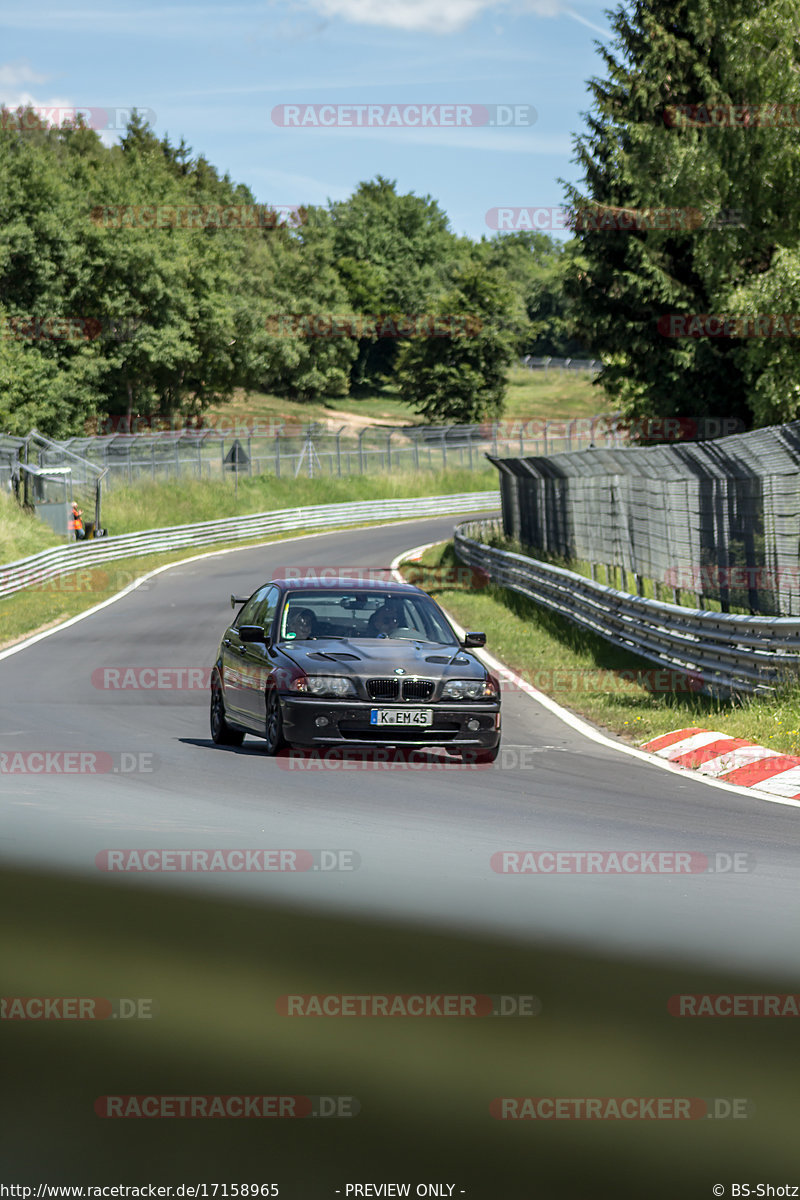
(724, 652)
(49, 564)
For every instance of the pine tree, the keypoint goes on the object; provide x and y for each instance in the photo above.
(642, 153)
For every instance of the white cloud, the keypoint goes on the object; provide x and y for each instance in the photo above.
(433, 16)
(439, 16)
(14, 74)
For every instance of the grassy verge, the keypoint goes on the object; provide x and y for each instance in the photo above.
(147, 505)
(44, 605)
(531, 395)
(21, 533)
(611, 687)
(182, 502)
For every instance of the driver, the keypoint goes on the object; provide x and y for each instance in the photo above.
(384, 621)
(300, 622)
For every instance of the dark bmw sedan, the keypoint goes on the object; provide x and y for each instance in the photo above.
(344, 663)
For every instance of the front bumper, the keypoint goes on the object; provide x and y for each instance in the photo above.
(347, 723)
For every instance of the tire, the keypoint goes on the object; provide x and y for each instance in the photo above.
(273, 730)
(221, 732)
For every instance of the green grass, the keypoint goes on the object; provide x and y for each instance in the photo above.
(148, 505)
(151, 506)
(21, 533)
(531, 396)
(581, 670)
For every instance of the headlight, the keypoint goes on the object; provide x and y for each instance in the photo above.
(329, 685)
(469, 689)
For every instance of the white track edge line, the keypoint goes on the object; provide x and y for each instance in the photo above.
(38, 637)
(583, 727)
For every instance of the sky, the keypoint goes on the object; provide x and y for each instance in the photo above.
(471, 102)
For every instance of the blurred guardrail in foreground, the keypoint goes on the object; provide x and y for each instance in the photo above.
(723, 653)
(61, 560)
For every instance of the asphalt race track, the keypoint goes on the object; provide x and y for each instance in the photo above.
(421, 840)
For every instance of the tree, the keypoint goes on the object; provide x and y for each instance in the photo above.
(538, 268)
(637, 154)
(391, 253)
(462, 377)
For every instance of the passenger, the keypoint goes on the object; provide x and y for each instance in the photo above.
(384, 621)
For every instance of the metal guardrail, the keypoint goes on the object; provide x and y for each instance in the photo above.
(723, 652)
(61, 560)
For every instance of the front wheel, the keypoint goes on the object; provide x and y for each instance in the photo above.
(221, 732)
(274, 724)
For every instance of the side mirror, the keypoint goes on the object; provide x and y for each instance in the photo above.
(251, 633)
(474, 639)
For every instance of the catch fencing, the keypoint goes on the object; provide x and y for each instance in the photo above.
(717, 519)
(721, 653)
(546, 363)
(62, 560)
(312, 450)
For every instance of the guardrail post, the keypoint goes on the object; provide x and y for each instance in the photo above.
(361, 451)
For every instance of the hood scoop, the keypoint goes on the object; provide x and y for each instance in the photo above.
(446, 658)
(338, 655)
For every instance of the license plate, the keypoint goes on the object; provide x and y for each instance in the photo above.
(401, 716)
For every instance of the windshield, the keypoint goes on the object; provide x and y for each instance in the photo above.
(357, 615)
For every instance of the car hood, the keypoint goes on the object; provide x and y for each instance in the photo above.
(381, 657)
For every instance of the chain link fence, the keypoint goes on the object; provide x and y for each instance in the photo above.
(48, 477)
(313, 450)
(718, 519)
(546, 363)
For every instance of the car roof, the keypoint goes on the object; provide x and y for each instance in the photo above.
(345, 583)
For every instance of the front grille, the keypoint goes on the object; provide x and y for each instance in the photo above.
(383, 689)
(417, 689)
